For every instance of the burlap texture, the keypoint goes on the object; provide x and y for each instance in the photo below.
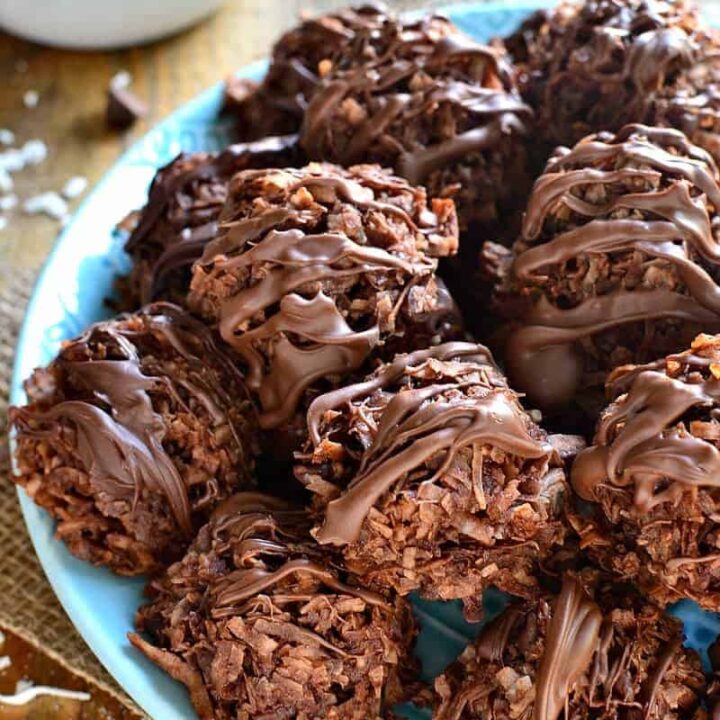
(27, 602)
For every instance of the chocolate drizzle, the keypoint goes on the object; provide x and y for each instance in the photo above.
(637, 446)
(669, 220)
(181, 214)
(285, 321)
(601, 64)
(269, 539)
(118, 432)
(571, 642)
(366, 113)
(418, 424)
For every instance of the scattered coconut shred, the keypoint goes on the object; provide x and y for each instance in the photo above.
(15, 158)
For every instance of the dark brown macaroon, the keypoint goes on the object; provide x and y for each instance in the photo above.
(652, 477)
(300, 59)
(596, 66)
(315, 269)
(617, 262)
(258, 622)
(132, 435)
(595, 651)
(440, 109)
(429, 476)
(180, 217)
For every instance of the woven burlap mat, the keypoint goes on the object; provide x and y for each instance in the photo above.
(27, 603)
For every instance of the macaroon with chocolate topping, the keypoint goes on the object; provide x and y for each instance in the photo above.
(596, 66)
(596, 651)
(258, 622)
(318, 46)
(180, 217)
(653, 477)
(440, 109)
(428, 475)
(132, 435)
(617, 262)
(315, 269)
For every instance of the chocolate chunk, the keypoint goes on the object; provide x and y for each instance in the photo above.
(257, 621)
(428, 475)
(124, 107)
(596, 650)
(132, 435)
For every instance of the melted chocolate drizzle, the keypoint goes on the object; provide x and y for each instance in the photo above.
(571, 642)
(417, 425)
(637, 444)
(328, 345)
(674, 225)
(391, 101)
(601, 64)
(169, 189)
(119, 433)
(265, 530)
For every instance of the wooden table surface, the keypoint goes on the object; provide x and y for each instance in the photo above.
(69, 117)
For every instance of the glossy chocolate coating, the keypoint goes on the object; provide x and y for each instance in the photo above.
(423, 444)
(314, 269)
(255, 598)
(132, 434)
(618, 246)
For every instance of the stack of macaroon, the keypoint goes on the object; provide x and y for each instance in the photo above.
(292, 427)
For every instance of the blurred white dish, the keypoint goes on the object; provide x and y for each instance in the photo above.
(92, 24)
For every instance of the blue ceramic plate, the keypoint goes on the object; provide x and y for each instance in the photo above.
(70, 295)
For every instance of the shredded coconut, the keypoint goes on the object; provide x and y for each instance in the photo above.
(49, 203)
(31, 98)
(75, 187)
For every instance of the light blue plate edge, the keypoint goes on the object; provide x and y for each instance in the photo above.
(83, 589)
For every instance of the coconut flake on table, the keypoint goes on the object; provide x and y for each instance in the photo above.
(6, 182)
(121, 80)
(31, 98)
(26, 692)
(7, 137)
(34, 152)
(49, 203)
(75, 187)
(3, 223)
(8, 202)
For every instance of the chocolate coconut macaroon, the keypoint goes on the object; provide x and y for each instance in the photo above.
(258, 622)
(132, 435)
(652, 477)
(315, 269)
(595, 650)
(440, 109)
(299, 61)
(180, 217)
(596, 66)
(617, 262)
(428, 475)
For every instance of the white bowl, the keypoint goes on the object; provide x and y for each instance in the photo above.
(95, 24)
